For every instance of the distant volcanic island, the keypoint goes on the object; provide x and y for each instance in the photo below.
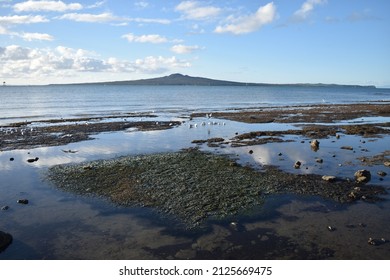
(185, 80)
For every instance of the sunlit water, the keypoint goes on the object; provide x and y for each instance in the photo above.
(60, 225)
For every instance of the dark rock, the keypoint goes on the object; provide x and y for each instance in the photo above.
(377, 242)
(31, 160)
(347, 148)
(382, 173)
(319, 160)
(22, 201)
(11, 159)
(5, 240)
(297, 164)
(330, 228)
(250, 151)
(6, 207)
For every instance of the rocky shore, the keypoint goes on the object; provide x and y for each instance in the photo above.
(25, 135)
(193, 185)
(306, 114)
(65, 131)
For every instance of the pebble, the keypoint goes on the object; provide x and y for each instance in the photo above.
(4, 208)
(382, 173)
(11, 159)
(386, 163)
(330, 228)
(297, 164)
(347, 148)
(319, 160)
(250, 151)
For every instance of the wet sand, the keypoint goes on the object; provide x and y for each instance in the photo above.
(283, 212)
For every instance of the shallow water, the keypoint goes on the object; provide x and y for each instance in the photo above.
(60, 225)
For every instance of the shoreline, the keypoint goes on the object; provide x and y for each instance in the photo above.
(25, 135)
(124, 191)
(210, 187)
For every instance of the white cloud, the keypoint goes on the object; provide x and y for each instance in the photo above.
(153, 38)
(250, 23)
(108, 17)
(52, 6)
(152, 64)
(306, 9)
(3, 30)
(196, 11)
(29, 63)
(26, 19)
(141, 4)
(96, 5)
(36, 36)
(104, 17)
(148, 20)
(182, 49)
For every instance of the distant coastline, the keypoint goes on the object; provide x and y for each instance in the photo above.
(185, 80)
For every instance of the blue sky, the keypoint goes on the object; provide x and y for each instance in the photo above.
(290, 41)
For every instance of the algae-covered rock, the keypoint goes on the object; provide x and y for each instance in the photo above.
(190, 184)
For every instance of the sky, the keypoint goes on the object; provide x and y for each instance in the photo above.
(280, 41)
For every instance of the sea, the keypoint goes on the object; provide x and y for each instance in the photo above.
(60, 225)
(32, 103)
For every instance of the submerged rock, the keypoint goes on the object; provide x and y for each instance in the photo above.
(5, 240)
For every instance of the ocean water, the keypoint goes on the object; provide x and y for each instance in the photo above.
(21, 103)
